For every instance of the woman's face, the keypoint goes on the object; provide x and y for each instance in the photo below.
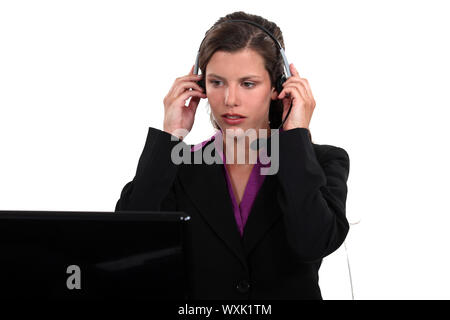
(238, 83)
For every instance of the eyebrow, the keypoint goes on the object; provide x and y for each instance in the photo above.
(243, 78)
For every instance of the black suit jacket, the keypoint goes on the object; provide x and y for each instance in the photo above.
(297, 218)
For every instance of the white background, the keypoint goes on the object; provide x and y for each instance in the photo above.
(81, 82)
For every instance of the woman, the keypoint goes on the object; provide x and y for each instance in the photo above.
(251, 236)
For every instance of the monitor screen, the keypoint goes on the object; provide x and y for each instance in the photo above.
(93, 255)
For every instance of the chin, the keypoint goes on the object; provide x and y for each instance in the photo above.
(235, 129)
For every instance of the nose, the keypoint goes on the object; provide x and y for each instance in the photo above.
(231, 98)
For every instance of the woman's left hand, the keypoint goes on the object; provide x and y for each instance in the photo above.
(303, 102)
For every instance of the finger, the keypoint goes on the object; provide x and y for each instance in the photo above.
(286, 106)
(189, 77)
(302, 83)
(188, 94)
(192, 73)
(305, 88)
(292, 95)
(294, 71)
(293, 79)
(179, 80)
(183, 86)
(302, 90)
(193, 104)
(293, 91)
(303, 80)
(308, 87)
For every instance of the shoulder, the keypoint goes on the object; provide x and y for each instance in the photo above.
(327, 151)
(332, 158)
(323, 152)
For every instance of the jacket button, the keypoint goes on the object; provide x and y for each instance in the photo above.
(243, 286)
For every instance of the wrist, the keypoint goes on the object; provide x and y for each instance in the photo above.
(179, 133)
(290, 127)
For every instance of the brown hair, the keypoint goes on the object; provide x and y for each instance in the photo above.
(236, 36)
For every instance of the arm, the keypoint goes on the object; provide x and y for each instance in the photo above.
(312, 196)
(151, 188)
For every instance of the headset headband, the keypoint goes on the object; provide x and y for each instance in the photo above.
(285, 61)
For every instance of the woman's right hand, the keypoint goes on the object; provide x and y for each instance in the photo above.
(176, 114)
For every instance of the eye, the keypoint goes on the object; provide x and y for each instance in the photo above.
(214, 82)
(247, 84)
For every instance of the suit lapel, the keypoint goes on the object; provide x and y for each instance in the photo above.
(263, 215)
(206, 186)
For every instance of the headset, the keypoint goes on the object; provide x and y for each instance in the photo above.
(281, 79)
(279, 87)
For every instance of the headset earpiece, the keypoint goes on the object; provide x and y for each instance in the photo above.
(201, 83)
(279, 83)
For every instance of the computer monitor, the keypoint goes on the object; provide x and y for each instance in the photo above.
(93, 255)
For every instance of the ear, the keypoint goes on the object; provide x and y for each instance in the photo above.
(274, 94)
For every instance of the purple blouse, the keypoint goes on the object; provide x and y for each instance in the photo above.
(255, 181)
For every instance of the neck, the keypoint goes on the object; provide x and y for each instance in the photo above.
(238, 151)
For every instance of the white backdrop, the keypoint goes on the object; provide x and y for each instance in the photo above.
(81, 82)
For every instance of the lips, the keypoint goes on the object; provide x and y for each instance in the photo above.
(233, 116)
